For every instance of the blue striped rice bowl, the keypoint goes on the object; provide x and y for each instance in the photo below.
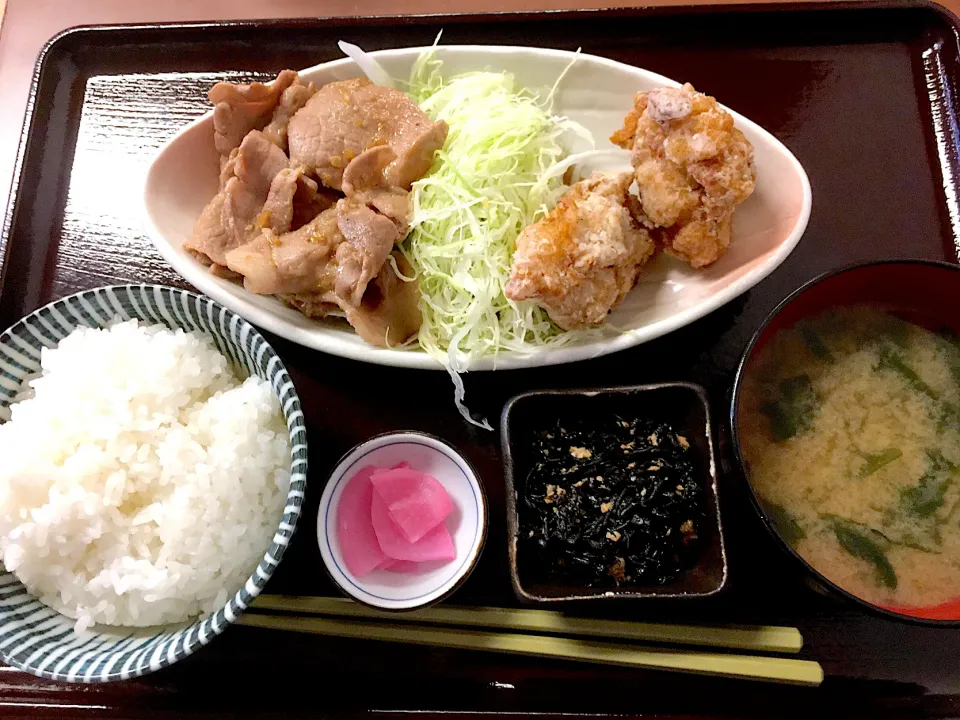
(38, 639)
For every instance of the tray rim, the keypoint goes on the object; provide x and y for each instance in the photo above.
(704, 8)
(54, 44)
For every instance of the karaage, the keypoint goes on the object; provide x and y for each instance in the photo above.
(582, 259)
(693, 168)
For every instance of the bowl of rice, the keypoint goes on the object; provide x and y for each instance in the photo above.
(154, 469)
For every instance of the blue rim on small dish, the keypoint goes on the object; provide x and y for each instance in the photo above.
(403, 592)
(38, 639)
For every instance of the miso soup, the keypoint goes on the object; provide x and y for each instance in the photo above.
(850, 427)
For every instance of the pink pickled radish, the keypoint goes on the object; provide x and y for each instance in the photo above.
(416, 502)
(358, 540)
(435, 545)
(398, 566)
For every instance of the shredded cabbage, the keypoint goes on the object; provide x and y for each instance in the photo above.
(495, 174)
(501, 168)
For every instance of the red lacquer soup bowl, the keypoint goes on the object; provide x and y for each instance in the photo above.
(926, 293)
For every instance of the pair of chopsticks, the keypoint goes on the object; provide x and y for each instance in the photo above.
(544, 633)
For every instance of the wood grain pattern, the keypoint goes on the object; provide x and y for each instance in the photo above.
(878, 187)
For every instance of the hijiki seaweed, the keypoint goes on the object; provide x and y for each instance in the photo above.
(610, 504)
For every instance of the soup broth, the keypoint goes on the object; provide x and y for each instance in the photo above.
(850, 427)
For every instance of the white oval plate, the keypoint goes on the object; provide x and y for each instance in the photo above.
(597, 93)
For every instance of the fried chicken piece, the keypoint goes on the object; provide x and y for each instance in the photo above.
(582, 259)
(693, 168)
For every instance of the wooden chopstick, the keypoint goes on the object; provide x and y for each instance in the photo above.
(762, 638)
(750, 667)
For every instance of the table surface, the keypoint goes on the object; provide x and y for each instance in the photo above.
(27, 25)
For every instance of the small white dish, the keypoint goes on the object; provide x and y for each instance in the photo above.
(596, 92)
(467, 523)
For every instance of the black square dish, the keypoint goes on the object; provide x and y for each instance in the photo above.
(527, 419)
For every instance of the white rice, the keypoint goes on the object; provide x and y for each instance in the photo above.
(142, 481)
